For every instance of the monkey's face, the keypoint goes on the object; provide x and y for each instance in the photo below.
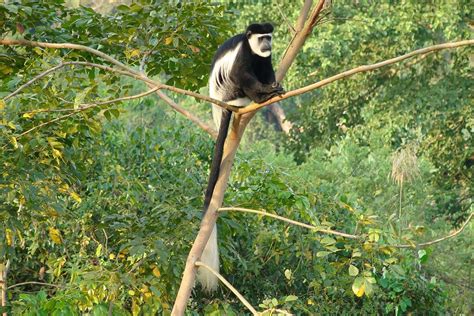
(261, 44)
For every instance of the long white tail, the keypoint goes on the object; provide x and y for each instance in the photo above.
(210, 257)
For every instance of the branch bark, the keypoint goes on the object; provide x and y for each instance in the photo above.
(85, 107)
(293, 222)
(4, 269)
(35, 283)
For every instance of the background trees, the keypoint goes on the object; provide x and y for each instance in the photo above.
(105, 204)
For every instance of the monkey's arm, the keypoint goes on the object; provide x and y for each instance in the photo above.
(257, 91)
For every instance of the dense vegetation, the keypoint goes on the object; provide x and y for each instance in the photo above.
(101, 207)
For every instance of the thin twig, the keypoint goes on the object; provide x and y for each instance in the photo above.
(183, 111)
(435, 241)
(255, 106)
(34, 282)
(290, 27)
(30, 82)
(61, 65)
(87, 107)
(229, 286)
(303, 14)
(317, 229)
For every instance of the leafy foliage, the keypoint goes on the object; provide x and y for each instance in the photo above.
(104, 205)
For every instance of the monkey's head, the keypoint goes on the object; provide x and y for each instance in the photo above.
(260, 38)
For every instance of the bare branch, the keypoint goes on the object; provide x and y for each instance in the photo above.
(284, 219)
(33, 282)
(303, 14)
(348, 73)
(432, 242)
(229, 286)
(207, 128)
(188, 114)
(22, 42)
(4, 269)
(87, 107)
(298, 39)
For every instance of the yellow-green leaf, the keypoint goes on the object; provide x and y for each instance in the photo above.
(55, 235)
(28, 115)
(9, 237)
(14, 142)
(358, 287)
(75, 196)
(168, 40)
(156, 272)
(135, 53)
(57, 153)
(353, 271)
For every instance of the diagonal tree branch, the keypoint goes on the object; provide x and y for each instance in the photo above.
(33, 80)
(211, 131)
(348, 73)
(293, 222)
(299, 38)
(229, 286)
(435, 241)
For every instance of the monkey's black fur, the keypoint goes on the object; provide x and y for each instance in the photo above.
(251, 76)
(217, 159)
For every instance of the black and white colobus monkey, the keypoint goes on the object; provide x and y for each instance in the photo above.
(241, 72)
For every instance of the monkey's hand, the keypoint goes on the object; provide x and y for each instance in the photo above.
(278, 88)
(269, 91)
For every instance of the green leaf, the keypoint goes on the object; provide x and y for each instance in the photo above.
(321, 254)
(291, 298)
(353, 270)
(328, 241)
(358, 287)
